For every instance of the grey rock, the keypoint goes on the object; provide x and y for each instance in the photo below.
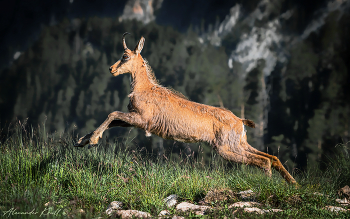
(334, 208)
(114, 206)
(342, 201)
(125, 214)
(164, 213)
(254, 210)
(317, 193)
(185, 206)
(273, 210)
(261, 211)
(244, 204)
(171, 200)
(247, 195)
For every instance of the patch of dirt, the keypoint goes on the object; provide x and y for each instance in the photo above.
(219, 196)
(273, 200)
(344, 192)
(294, 200)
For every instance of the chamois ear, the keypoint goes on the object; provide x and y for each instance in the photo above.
(139, 45)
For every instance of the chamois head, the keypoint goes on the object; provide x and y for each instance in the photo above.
(127, 62)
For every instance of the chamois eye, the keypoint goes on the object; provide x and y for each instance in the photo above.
(126, 57)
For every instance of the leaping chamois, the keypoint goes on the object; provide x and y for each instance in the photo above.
(170, 115)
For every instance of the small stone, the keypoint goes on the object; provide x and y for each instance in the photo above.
(273, 210)
(261, 211)
(164, 213)
(199, 212)
(113, 206)
(254, 210)
(109, 211)
(246, 192)
(342, 201)
(244, 204)
(317, 193)
(247, 195)
(334, 208)
(126, 214)
(116, 205)
(49, 204)
(185, 206)
(178, 217)
(81, 211)
(171, 200)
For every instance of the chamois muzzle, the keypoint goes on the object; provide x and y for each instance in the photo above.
(114, 69)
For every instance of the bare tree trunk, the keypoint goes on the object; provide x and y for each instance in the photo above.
(263, 106)
(242, 110)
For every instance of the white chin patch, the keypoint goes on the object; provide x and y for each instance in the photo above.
(148, 134)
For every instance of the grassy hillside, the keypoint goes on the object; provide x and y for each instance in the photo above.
(40, 168)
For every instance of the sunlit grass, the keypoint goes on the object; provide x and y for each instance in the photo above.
(38, 168)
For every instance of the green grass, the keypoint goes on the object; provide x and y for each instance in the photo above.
(37, 168)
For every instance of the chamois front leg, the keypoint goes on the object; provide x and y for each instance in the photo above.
(85, 139)
(114, 119)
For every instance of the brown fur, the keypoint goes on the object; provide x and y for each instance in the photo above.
(168, 114)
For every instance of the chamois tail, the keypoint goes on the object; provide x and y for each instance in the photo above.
(248, 122)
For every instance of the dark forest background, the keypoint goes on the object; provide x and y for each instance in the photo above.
(284, 64)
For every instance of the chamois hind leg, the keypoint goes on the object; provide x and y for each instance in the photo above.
(246, 158)
(277, 165)
(114, 119)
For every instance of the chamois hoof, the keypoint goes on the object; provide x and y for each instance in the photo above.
(77, 145)
(83, 140)
(81, 144)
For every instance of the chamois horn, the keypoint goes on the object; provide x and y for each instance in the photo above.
(124, 44)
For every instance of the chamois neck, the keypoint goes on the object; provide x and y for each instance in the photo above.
(140, 77)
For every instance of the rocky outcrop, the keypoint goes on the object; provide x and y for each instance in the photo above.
(334, 209)
(125, 214)
(244, 204)
(197, 209)
(260, 211)
(218, 197)
(141, 10)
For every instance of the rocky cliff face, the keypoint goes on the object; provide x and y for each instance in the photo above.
(266, 39)
(141, 10)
